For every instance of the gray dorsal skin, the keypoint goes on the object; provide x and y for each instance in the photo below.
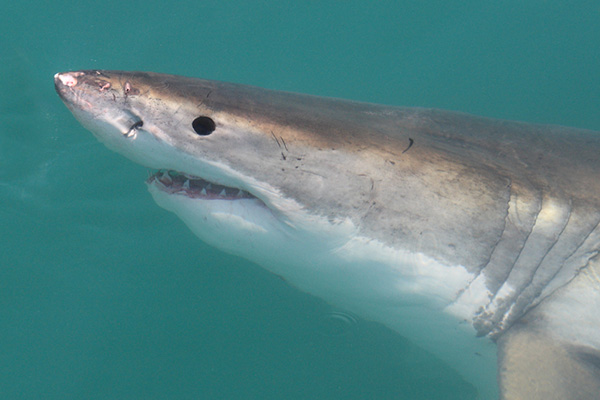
(457, 231)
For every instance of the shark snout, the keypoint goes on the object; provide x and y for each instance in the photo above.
(87, 81)
(65, 82)
(66, 78)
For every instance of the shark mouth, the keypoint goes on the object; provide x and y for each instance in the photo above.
(178, 183)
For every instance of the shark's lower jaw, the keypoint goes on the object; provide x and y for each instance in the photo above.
(194, 187)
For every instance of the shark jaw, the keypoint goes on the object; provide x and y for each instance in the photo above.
(203, 204)
(225, 217)
(183, 184)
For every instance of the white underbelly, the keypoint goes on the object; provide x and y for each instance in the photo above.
(405, 291)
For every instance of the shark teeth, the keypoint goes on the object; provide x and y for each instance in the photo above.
(178, 183)
(165, 179)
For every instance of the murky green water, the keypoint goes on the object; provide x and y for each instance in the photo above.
(103, 295)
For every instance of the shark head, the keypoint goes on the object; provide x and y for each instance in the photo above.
(222, 171)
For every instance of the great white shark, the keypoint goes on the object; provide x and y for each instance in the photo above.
(475, 238)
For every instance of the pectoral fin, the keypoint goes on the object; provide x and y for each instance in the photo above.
(553, 352)
(534, 365)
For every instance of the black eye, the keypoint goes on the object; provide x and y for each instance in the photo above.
(204, 126)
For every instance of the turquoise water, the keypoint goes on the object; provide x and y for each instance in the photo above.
(104, 295)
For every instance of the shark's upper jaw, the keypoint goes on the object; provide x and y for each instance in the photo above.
(194, 187)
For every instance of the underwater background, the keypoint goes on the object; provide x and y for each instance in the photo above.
(104, 295)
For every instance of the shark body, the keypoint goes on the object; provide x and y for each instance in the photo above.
(465, 234)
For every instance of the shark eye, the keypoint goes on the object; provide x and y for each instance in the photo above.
(203, 126)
